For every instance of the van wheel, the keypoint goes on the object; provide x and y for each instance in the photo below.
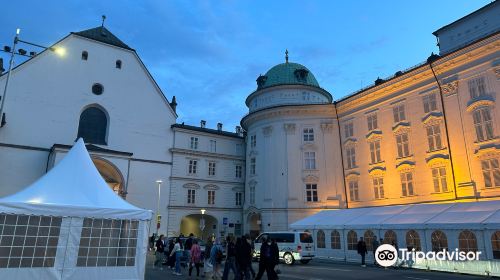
(288, 258)
(304, 261)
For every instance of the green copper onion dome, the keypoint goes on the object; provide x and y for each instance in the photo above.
(287, 73)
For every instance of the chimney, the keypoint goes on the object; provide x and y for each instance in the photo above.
(238, 130)
(219, 126)
(1, 66)
(203, 123)
(173, 104)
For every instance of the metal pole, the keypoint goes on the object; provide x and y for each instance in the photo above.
(11, 63)
(158, 206)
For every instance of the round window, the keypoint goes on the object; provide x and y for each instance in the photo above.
(97, 89)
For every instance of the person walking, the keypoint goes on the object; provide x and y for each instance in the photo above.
(275, 257)
(230, 258)
(375, 245)
(243, 258)
(187, 248)
(362, 250)
(152, 242)
(195, 260)
(207, 266)
(266, 261)
(216, 256)
(252, 249)
(177, 252)
(159, 252)
(168, 253)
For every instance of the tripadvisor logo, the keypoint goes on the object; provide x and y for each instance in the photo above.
(386, 255)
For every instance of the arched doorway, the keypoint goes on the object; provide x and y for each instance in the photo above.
(111, 175)
(254, 224)
(202, 226)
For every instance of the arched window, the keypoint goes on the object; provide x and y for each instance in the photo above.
(335, 240)
(439, 241)
(412, 240)
(85, 55)
(390, 237)
(467, 241)
(93, 126)
(495, 244)
(369, 236)
(119, 64)
(352, 240)
(320, 239)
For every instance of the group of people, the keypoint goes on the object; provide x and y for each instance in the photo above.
(362, 248)
(218, 262)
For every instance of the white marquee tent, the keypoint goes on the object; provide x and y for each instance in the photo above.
(70, 225)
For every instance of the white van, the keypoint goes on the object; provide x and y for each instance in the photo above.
(293, 246)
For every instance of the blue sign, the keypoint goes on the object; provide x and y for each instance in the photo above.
(224, 221)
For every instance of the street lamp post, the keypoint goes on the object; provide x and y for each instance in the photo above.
(158, 216)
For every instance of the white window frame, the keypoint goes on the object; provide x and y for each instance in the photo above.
(239, 171)
(213, 146)
(253, 141)
(430, 102)
(194, 143)
(349, 129)
(350, 152)
(407, 184)
(477, 87)
(372, 121)
(378, 187)
(238, 198)
(212, 168)
(191, 197)
(253, 166)
(211, 197)
(375, 156)
(308, 134)
(312, 193)
(309, 160)
(353, 190)
(434, 137)
(491, 172)
(439, 179)
(193, 166)
(398, 112)
(483, 124)
(403, 145)
(251, 191)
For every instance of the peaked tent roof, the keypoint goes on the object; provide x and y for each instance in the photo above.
(74, 188)
(483, 214)
(102, 34)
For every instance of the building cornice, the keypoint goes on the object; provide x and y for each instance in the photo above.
(206, 154)
(206, 181)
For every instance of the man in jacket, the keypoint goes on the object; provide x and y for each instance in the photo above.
(160, 248)
(362, 250)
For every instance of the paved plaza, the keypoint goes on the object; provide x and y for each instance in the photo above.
(327, 270)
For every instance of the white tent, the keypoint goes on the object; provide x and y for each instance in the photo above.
(70, 225)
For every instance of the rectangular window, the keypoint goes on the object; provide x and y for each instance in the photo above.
(211, 197)
(239, 149)
(192, 166)
(434, 137)
(378, 187)
(353, 190)
(491, 173)
(310, 160)
(213, 146)
(483, 124)
(403, 145)
(253, 141)
(439, 179)
(106, 242)
(372, 122)
(252, 166)
(311, 192)
(375, 151)
(407, 183)
(194, 143)
(349, 130)
(429, 102)
(477, 87)
(28, 241)
(308, 135)
(191, 196)
(351, 157)
(211, 168)
(399, 113)
(239, 171)
(252, 195)
(239, 198)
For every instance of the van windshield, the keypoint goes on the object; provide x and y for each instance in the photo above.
(306, 237)
(283, 237)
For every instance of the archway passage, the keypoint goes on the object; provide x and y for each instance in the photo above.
(111, 175)
(254, 224)
(202, 226)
